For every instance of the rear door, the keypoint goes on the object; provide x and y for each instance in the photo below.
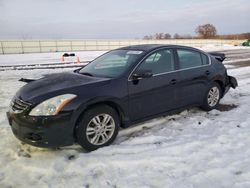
(195, 71)
(157, 94)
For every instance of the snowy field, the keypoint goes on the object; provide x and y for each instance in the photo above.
(49, 59)
(192, 149)
(44, 58)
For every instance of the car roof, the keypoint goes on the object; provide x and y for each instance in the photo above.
(151, 47)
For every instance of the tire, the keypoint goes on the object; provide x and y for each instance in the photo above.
(212, 97)
(98, 127)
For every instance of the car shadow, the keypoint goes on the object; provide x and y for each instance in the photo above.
(226, 107)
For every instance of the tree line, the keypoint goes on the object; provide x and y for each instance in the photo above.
(206, 31)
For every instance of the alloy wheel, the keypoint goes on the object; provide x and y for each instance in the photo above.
(100, 129)
(213, 96)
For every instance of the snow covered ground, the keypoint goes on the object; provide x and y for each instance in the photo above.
(190, 149)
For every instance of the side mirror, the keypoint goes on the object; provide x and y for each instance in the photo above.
(139, 74)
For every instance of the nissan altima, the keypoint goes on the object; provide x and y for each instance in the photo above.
(125, 86)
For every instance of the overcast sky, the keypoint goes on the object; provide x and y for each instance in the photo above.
(75, 19)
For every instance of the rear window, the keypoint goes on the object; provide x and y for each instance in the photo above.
(189, 59)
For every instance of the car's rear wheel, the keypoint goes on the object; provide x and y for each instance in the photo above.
(97, 127)
(212, 97)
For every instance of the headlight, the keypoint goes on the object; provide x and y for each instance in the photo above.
(52, 106)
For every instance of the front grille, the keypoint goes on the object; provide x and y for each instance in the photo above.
(18, 105)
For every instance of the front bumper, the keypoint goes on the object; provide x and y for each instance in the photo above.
(45, 132)
(231, 82)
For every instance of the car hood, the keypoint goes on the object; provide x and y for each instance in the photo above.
(56, 84)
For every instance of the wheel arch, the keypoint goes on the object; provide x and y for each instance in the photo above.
(111, 103)
(222, 86)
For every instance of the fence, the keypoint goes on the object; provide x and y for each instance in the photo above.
(39, 46)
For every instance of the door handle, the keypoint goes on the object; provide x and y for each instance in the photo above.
(173, 82)
(207, 72)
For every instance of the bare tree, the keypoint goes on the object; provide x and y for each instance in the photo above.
(167, 36)
(177, 36)
(161, 36)
(206, 31)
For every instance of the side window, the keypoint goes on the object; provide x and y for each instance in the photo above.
(159, 62)
(189, 59)
(153, 58)
(205, 59)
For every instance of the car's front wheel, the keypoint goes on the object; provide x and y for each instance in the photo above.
(97, 127)
(212, 97)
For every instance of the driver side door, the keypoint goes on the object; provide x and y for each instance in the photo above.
(158, 93)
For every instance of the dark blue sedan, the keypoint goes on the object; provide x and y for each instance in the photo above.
(120, 88)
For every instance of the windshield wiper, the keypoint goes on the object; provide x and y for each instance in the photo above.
(86, 73)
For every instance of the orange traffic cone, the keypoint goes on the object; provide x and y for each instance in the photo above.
(62, 59)
(78, 60)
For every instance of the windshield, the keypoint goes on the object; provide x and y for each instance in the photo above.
(112, 64)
